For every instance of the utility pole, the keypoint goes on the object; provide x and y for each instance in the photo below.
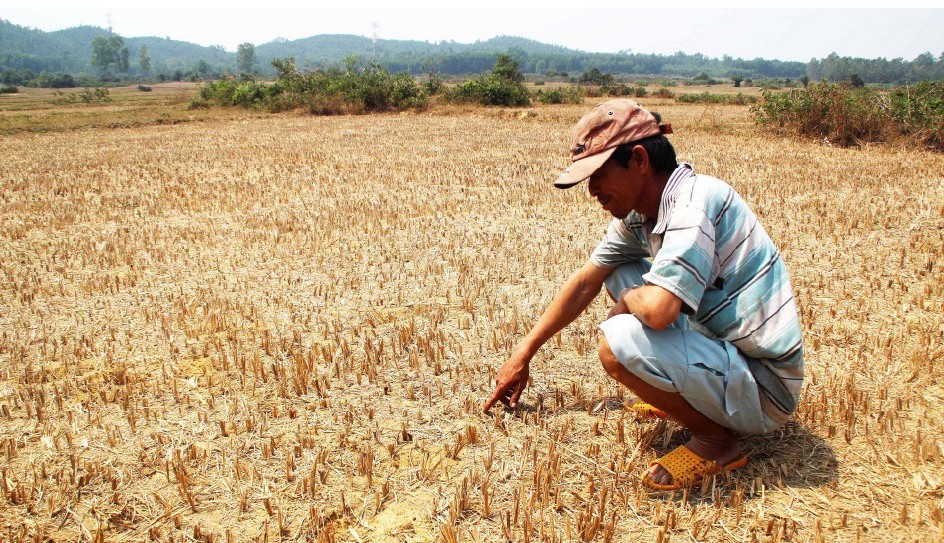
(375, 27)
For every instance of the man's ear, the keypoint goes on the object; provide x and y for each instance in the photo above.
(641, 157)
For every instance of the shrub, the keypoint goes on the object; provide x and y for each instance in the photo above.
(87, 96)
(405, 94)
(592, 92)
(562, 95)
(219, 92)
(355, 88)
(434, 84)
(501, 87)
(710, 98)
(490, 91)
(704, 79)
(850, 116)
(617, 90)
(594, 76)
(20, 76)
(53, 81)
(663, 92)
(622, 89)
(249, 93)
(919, 111)
(9, 90)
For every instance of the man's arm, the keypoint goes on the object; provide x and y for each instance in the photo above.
(571, 300)
(653, 305)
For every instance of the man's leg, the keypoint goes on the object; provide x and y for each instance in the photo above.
(709, 439)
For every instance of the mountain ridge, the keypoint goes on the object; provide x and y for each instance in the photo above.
(69, 50)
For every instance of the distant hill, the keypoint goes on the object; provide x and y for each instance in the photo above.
(335, 47)
(70, 51)
(408, 55)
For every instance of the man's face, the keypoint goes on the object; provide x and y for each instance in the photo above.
(617, 189)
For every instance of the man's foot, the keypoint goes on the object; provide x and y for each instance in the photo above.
(722, 450)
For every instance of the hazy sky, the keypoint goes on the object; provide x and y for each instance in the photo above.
(790, 34)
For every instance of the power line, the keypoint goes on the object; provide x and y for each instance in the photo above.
(375, 27)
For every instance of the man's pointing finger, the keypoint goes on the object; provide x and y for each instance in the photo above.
(496, 395)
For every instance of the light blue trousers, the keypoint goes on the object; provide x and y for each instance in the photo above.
(711, 374)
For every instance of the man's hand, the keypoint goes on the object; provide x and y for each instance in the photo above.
(620, 306)
(570, 301)
(511, 381)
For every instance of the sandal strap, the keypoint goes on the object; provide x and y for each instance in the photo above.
(644, 408)
(686, 467)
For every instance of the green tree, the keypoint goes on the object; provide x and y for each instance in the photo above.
(737, 80)
(124, 60)
(594, 76)
(434, 83)
(506, 69)
(245, 57)
(805, 80)
(203, 68)
(144, 59)
(103, 56)
(110, 52)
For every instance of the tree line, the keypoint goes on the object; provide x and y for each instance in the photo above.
(880, 70)
(93, 52)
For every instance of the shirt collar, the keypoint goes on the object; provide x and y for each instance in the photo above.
(683, 172)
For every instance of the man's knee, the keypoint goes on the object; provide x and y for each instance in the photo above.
(632, 348)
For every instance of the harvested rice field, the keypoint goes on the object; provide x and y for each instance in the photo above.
(283, 328)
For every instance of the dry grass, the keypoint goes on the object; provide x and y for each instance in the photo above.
(34, 110)
(285, 327)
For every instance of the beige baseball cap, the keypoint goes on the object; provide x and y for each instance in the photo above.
(600, 132)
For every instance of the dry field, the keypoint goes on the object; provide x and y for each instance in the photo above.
(284, 327)
(33, 110)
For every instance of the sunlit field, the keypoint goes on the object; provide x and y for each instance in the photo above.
(254, 327)
(36, 110)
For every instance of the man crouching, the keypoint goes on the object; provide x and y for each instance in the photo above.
(707, 333)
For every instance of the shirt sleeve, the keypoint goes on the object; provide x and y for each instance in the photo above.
(618, 246)
(683, 265)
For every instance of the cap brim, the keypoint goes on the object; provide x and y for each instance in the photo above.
(582, 169)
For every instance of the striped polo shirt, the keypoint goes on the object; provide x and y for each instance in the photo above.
(709, 249)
